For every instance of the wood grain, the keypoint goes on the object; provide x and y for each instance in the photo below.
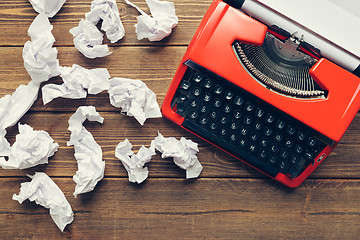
(201, 209)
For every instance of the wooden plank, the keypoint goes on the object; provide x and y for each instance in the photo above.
(342, 163)
(155, 66)
(202, 209)
(17, 15)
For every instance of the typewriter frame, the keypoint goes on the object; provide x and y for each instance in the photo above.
(220, 27)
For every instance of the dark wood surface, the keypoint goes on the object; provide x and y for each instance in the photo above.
(228, 201)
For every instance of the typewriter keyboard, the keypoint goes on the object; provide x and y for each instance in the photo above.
(244, 125)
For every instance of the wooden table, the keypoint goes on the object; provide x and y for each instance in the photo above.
(229, 200)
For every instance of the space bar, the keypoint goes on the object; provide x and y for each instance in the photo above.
(230, 148)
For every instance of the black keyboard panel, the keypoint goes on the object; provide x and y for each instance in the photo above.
(244, 125)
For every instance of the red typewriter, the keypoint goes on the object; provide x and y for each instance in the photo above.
(262, 94)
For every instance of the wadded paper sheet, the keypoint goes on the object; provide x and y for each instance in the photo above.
(30, 149)
(14, 106)
(108, 11)
(134, 163)
(88, 153)
(183, 152)
(76, 80)
(161, 23)
(49, 7)
(134, 98)
(88, 40)
(46, 193)
(40, 58)
(87, 37)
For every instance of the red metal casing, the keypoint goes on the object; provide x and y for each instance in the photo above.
(211, 47)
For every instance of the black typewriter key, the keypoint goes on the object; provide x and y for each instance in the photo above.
(280, 124)
(278, 137)
(289, 143)
(284, 153)
(233, 137)
(273, 160)
(252, 148)
(283, 166)
(228, 95)
(208, 83)
(223, 132)
(247, 120)
(237, 114)
(218, 89)
(298, 149)
(263, 154)
(227, 109)
(203, 109)
(181, 107)
(293, 159)
(194, 115)
(207, 97)
(234, 125)
(267, 131)
(270, 118)
(217, 103)
(259, 112)
(249, 106)
(311, 142)
(254, 136)
(183, 97)
(203, 120)
(300, 136)
(196, 92)
(213, 126)
(197, 77)
(213, 114)
(274, 148)
(244, 131)
(308, 155)
(258, 126)
(238, 101)
(194, 103)
(243, 142)
(290, 130)
(185, 85)
(223, 119)
(264, 142)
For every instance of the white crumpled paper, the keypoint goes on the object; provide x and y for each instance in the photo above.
(107, 10)
(40, 58)
(87, 37)
(5, 149)
(161, 23)
(88, 40)
(134, 163)
(14, 106)
(46, 193)
(134, 98)
(76, 80)
(31, 148)
(40, 61)
(88, 153)
(183, 152)
(49, 7)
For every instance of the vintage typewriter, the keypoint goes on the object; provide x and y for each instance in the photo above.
(257, 89)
